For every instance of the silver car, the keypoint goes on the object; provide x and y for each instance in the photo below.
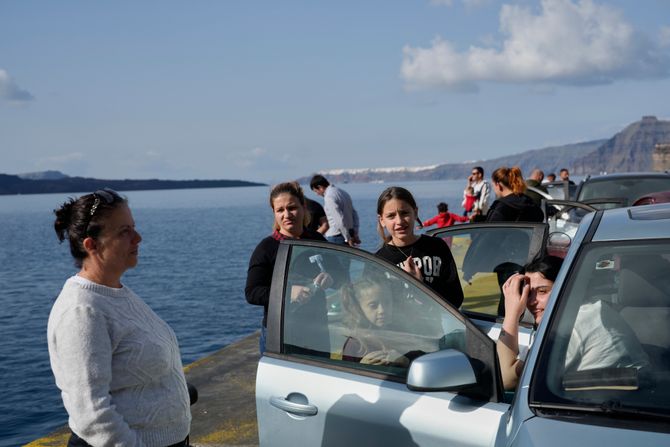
(620, 189)
(439, 383)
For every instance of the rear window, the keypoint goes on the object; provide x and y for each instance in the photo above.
(627, 189)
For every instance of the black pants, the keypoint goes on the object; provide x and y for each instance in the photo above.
(76, 441)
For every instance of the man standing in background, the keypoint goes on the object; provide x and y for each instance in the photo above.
(535, 180)
(482, 190)
(565, 176)
(340, 212)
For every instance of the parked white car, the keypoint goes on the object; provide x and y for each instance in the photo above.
(449, 391)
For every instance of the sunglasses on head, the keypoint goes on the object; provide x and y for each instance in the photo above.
(107, 195)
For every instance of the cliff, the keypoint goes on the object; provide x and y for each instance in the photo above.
(549, 159)
(629, 150)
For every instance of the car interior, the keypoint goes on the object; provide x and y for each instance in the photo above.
(631, 284)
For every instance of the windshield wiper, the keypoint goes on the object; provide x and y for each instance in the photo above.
(612, 407)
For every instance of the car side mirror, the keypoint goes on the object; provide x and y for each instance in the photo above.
(447, 370)
(558, 244)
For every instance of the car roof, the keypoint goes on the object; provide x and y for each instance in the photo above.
(619, 175)
(634, 223)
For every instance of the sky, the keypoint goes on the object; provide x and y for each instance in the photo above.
(274, 90)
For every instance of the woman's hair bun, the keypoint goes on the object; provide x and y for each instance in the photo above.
(63, 220)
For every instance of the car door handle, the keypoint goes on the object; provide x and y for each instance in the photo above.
(293, 407)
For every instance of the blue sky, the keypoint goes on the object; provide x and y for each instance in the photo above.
(273, 90)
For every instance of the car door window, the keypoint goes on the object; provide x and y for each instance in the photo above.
(609, 339)
(369, 315)
(564, 216)
(486, 255)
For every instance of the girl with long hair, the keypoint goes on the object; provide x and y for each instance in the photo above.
(427, 258)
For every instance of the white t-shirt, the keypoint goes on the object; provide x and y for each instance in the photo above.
(602, 339)
(599, 339)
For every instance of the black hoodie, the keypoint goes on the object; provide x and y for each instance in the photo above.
(515, 208)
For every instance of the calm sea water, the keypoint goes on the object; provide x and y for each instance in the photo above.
(193, 260)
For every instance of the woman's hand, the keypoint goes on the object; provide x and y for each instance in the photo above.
(302, 294)
(323, 280)
(516, 290)
(410, 267)
(390, 357)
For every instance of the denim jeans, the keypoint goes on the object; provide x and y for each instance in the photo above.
(263, 338)
(337, 239)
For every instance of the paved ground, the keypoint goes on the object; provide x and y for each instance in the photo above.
(225, 414)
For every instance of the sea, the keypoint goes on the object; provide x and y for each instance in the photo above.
(192, 269)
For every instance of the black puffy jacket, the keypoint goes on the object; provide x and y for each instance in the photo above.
(515, 208)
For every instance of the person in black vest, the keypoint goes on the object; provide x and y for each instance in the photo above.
(512, 204)
(317, 216)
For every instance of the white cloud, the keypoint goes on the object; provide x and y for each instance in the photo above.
(568, 42)
(10, 91)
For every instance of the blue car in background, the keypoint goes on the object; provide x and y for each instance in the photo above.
(439, 384)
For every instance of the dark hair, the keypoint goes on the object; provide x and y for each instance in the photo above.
(393, 192)
(547, 266)
(84, 217)
(318, 180)
(442, 207)
(294, 189)
(479, 169)
(511, 178)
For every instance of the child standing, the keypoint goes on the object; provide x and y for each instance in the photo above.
(444, 218)
(469, 199)
(426, 258)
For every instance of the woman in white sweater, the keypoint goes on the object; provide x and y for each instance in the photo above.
(115, 361)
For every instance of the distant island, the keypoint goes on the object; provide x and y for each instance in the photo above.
(56, 182)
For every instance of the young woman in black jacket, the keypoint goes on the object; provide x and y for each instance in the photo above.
(512, 204)
(290, 222)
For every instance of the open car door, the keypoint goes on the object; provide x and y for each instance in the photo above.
(486, 254)
(563, 218)
(425, 376)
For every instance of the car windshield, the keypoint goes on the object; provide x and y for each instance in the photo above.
(627, 190)
(609, 339)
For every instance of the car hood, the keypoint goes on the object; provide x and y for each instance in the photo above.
(582, 430)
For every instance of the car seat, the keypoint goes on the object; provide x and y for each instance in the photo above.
(644, 300)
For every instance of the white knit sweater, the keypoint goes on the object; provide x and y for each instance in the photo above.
(118, 367)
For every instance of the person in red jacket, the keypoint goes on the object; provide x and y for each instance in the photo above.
(444, 218)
